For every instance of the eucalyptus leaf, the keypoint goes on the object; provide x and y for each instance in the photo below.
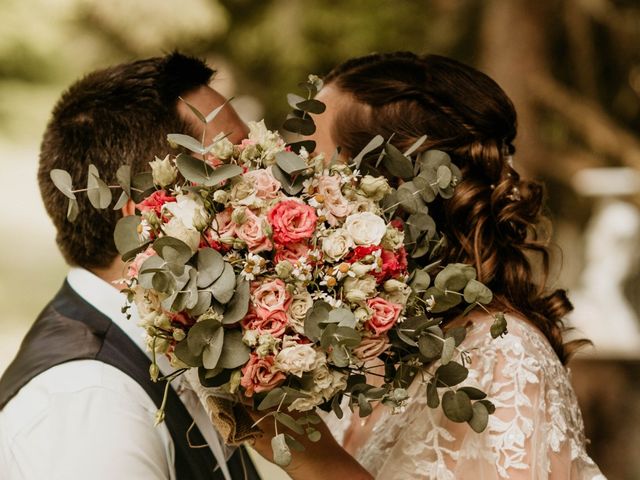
(202, 334)
(122, 201)
(294, 99)
(200, 172)
(126, 237)
(457, 406)
(292, 187)
(409, 198)
(303, 126)
(216, 111)
(316, 315)
(430, 347)
(289, 422)
(224, 287)
(451, 374)
(336, 407)
(234, 352)
(448, 349)
(364, 405)
(272, 399)
(186, 356)
(202, 305)
(238, 306)
(433, 400)
(477, 292)
(419, 280)
(480, 417)
(443, 301)
(473, 393)
(373, 144)
(62, 180)
(427, 191)
(123, 176)
(491, 408)
(396, 163)
(148, 269)
(343, 317)
(72, 210)
(312, 106)
(98, 192)
(187, 142)
(281, 452)
(172, 250)
(195, 111)
(290, 163)
(416, 145)
(210, 266)
(455, 276)
(458, 334)
(499, 325)
(213, 349)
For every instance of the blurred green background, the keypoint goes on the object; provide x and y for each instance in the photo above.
(572, 67)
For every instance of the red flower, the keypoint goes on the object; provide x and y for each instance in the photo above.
(393, 264)
(360, 252)
(155, 201)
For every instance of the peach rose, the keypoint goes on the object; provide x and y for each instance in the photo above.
(271, 296)
(291, 252)
(252, 232)
(385, 314)
(292, 221)
(265, 321)
(260, 375)
(155, 202)
(222, 225)
(264, 183)
(336, 204)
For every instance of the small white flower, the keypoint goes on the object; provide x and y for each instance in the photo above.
(144, 230)
(431, 302)
(163, 171)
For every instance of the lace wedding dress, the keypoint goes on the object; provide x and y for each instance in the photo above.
(536, 432)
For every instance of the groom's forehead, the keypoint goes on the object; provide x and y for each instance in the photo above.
(206, 99)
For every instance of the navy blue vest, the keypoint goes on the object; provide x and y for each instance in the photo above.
(70, 329)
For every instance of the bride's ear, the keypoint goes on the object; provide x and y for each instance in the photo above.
(129, 208)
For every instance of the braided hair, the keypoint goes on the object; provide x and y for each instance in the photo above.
(493, 219)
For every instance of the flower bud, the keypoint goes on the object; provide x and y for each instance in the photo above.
(220, 196)
(239, 216)
(374, 187)
(284, 269)
(154, 372)
(163, 171)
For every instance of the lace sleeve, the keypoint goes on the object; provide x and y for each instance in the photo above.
(535, 433)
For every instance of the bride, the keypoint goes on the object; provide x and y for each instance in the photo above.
(537, 430)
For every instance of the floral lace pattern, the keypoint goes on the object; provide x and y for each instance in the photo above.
(536, 433)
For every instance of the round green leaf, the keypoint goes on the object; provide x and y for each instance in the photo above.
(312, 106)
(473, 393)
(480, 417)
(457, 406)
(409, 198)
(444, 176)
(234, 352)
(238, 306)
(210, 266)
(62, 180)
(290, 163)
(454, 276)
(430, 347)
(126, 237)
(303, 126)
(396, 163)
(213, 349)
(448, 349)
(433, 400)
(281, 452)
(224, 287)
(316, 315)
(373, 144)
(185, 355)
(172, 250)
(477, 292)
(451, 374)
(202, 334)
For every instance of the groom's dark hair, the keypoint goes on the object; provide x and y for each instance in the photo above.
(111, 117)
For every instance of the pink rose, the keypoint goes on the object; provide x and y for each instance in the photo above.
(291, 252)
(252, 232)
(270, 296)
(292, 221)
(155, 201)
(335, 203)
(260, 375)
(134, 267)
(264, 183)
(265, 321)
(371, 347)
(222, 225)
(385, 314)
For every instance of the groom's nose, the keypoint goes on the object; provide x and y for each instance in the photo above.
(205, 99)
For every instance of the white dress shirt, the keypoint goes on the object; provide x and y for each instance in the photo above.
(88, 420)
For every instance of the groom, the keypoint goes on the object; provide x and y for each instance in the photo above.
(77, 401)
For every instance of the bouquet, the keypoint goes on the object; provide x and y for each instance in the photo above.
(274, 277)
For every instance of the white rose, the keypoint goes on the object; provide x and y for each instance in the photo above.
(163, 171)
(187, 208)
(337, 244)
(365, 228)
(296, 359)
(300, 305)
(175, 228)
(269, 142)
(322, 378)
(359, 289)
(222, 148)
(338, 383)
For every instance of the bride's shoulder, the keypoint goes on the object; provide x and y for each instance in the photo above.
(523, 343)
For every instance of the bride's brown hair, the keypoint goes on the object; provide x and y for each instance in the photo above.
(492, 221)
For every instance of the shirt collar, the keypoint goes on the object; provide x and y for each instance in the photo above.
(108, 300)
